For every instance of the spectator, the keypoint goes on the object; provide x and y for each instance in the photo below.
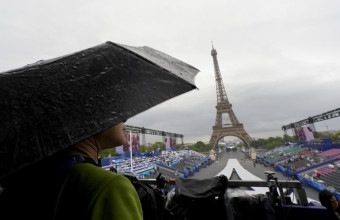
(54, 190)
(330, 201)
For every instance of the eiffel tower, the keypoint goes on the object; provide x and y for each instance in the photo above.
(226, 123)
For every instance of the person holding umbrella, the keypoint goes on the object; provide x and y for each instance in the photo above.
(90, 192)
(57, 115)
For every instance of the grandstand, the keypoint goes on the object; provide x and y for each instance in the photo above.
(331, 154)
(170, 164)
(316, 168)
(312, 167)
(315, 165)
(333, 179)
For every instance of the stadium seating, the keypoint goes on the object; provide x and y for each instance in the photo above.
(332, 179)
(169, 163)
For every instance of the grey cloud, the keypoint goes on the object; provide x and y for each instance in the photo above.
(278, 59)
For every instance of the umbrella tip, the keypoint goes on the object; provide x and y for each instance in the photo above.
(212, 45)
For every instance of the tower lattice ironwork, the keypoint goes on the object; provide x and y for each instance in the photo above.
(226, 123)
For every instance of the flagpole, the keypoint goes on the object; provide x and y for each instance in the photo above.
(131, 152)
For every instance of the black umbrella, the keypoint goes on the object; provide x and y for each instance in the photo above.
(50, 105)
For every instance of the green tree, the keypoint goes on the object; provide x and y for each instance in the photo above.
(336, 136)
(322, 135)
(107, 152)
(288, 138)
(259, 143)
(142, 149)
(180, 146)
(273, 144)
(268, 143)
(155, 146)
(199, 147)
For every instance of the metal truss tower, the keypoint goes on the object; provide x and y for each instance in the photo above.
(144, 131)
(226, 123)
(311, 120)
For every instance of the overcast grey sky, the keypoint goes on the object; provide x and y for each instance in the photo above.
(279, 60)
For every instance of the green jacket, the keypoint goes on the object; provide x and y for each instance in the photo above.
(90, 192)
(51, 189)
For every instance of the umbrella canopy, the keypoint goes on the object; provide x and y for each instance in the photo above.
(50, 105)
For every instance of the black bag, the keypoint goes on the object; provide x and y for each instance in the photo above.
(249, 207)
(198, 199)
(152, 199)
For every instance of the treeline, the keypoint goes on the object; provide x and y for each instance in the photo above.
(153, 148)
(158, 146)
(334, 137)
(143, 149)
(199, 147)
(267, 143)
(202, 147)
(273, 142)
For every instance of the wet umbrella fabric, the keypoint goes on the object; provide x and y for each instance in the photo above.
(53, 104)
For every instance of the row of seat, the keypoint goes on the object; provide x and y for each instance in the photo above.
(332, 179)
